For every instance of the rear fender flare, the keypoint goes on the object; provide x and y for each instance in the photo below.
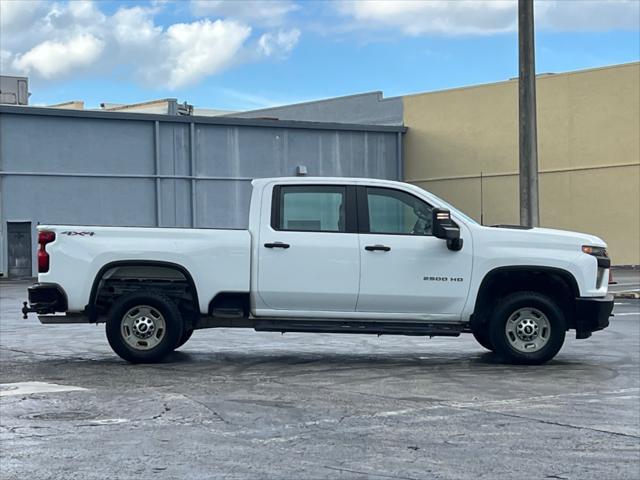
(90, 309)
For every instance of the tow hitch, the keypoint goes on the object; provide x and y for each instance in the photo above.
(26, 309)
(39, 309)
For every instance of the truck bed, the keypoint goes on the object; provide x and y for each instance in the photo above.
(79, 253)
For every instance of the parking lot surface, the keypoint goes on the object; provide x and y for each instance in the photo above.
(239, 404)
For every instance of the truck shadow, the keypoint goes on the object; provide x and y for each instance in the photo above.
(345, 360)
(276, 370)
(333, 366)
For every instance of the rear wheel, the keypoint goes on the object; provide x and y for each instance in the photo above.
(144, 327)
(186, 335)
(527, 328)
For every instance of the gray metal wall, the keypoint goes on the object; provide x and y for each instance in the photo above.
(364, 108)
(97, 168)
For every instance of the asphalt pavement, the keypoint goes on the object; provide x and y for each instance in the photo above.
(239, 404)
(626, 282)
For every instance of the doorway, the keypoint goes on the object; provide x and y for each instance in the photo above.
(20, 253)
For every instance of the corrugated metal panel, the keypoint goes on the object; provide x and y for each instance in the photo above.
(116, 169)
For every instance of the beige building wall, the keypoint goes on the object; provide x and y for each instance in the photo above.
(588, 152)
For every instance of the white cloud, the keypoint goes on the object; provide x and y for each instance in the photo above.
(486, 17)
(51, 58)
(260, 12)
(280, 43)
(196, 50)
(57, 39)
(135, 26)
(15, 15)
(5, 60)
(84, 10)
(413, 17)
(77, 14)
(588, 15)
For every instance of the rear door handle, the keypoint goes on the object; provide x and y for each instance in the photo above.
(373, 248)
(277, 245)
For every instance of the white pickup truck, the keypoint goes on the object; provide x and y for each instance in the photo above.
(337, 255)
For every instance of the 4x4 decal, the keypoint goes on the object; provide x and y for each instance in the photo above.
(81, 234)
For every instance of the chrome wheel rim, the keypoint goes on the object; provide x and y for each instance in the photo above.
(528, 330)
(143, 327)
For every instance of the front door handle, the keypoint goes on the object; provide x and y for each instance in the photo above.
(373, 248)
(277, 245)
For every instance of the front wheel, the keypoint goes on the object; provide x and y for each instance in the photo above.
(482, 337)
(144, 327)
(527, 328)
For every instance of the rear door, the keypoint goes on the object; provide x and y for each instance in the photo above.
(308, 253)
(404, 268)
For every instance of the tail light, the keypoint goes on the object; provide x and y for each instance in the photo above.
(43, 257)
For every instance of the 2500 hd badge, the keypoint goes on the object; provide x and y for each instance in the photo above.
(443, 279)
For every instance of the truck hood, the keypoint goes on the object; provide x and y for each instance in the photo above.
(516, 232)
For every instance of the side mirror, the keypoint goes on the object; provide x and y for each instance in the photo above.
(445, 228)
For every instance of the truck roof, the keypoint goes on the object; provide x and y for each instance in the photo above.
(260, 182)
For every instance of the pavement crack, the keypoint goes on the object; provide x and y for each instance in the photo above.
(368, 474)
(53, 355)
(33, 435)
(550, 422)
(165, 409)
(207, 407)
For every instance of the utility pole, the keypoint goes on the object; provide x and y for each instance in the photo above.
(529, 212)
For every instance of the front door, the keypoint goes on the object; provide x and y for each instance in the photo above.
(404, 268)
(309, 258)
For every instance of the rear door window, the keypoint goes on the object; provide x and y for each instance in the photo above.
(311, 208)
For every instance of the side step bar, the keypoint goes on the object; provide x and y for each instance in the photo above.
(64, 318)
(375, 328)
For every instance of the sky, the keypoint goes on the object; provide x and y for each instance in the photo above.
(242, 55)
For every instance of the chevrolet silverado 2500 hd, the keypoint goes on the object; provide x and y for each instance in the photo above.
(328, 255)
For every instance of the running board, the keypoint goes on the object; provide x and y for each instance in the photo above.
(375, 328)
(62, 319)
(229, 313)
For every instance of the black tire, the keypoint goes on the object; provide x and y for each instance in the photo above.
(482, 337)
(507, 307)
(186, 335)
(159, 304)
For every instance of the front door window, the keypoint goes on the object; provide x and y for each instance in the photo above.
(398, 213)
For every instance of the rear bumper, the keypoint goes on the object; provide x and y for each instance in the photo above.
(45, 298)
(592, 314)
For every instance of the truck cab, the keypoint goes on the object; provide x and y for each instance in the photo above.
(360, 250)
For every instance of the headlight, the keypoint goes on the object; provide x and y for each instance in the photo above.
(595, 251)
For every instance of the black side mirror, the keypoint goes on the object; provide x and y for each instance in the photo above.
(445, 228)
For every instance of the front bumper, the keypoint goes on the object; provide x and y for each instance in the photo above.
(45, 298)
(592, 314)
